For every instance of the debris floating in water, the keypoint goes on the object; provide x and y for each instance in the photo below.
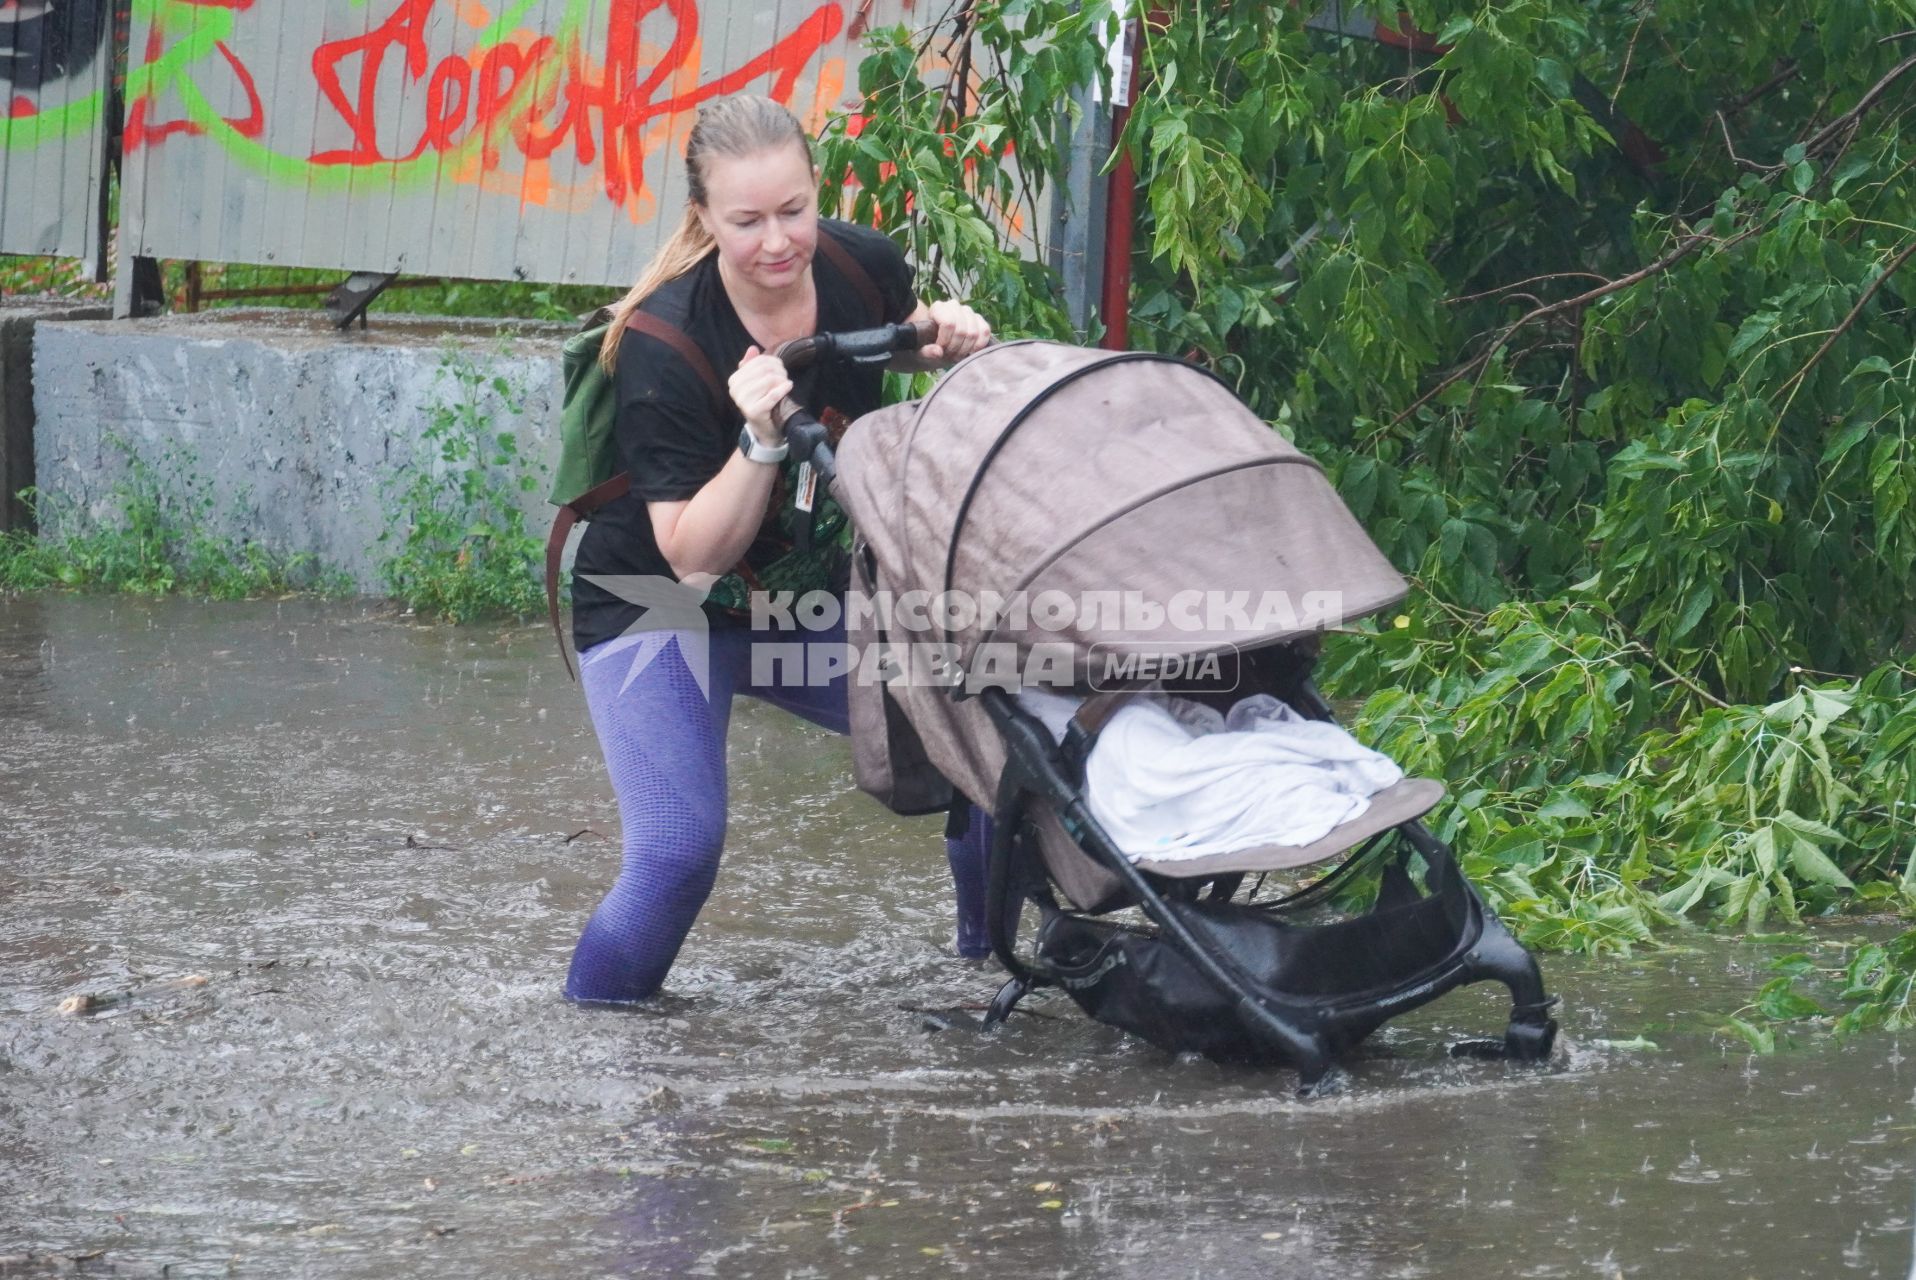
(1637, 1044)
(100, 1001)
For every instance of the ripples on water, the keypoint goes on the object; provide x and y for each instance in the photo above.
(379, 1078)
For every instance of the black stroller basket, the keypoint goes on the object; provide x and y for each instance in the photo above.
(1235, 980)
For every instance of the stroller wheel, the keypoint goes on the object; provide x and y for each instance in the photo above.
(1528, 1039)
(1007, 999)
(1324, 1084)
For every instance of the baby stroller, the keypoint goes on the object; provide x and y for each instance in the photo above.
(1036, 467)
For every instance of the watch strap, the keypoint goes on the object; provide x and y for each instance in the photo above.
(754, 451)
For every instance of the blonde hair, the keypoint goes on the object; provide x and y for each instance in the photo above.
(744, 125)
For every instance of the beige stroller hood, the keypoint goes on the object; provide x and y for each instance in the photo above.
(1036, 467)
(1133, 494)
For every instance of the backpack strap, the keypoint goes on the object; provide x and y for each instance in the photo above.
(674, 337)
(586, 503)
(619, 485)
(861, 279)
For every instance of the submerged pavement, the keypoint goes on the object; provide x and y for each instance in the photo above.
(376, 841)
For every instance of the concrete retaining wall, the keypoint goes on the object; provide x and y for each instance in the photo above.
(302, 437)
(19, 318)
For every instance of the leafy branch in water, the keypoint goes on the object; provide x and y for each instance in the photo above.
(1876, 980)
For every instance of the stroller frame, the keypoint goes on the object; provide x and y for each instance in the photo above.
(1305, 1032)
(1351, 975)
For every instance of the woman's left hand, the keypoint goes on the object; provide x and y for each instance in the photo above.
(961, 331)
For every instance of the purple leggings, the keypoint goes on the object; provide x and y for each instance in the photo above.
(664, 743)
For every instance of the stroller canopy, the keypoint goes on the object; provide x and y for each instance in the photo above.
(1136, 489)
(1160, 511)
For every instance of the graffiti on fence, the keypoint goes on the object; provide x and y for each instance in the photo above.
(44, 41)
(48, 49)
(558, 114)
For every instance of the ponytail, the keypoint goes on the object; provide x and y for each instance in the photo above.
(687, 246)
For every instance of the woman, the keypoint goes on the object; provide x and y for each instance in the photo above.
(751, 266)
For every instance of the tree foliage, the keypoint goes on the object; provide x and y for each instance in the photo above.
(1599, 314)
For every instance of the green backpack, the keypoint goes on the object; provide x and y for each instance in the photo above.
(588, 477)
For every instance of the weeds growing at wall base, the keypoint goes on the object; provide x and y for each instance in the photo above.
(463, 550)
(158, 540)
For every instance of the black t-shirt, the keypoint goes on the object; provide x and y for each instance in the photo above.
(668, 439)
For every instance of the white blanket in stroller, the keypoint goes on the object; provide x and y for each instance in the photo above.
(1170, 778)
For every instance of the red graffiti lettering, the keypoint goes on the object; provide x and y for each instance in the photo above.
(405, 31)
(443, 116)
(535, 96)
(502, 74)
(254, 123)
(140, 131)
(604, 114)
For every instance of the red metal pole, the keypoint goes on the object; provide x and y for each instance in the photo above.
(1120, 206)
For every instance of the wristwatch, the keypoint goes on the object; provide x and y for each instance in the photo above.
(748, 444)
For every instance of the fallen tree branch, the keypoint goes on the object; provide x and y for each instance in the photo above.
(1518, 284)
(1863, 104)
(1895, 263)
(1629, 53)
(1684, 249)
(1785, 73)
(1678, 676)
(98, 1001)
(1730, 146)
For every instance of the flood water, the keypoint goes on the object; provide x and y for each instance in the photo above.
(355, 827)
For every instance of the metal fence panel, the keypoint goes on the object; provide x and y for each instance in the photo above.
(528, 139)
(56, 66)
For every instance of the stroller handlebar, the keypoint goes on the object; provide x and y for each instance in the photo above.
(860, 346)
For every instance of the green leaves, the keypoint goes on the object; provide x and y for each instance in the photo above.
(1622, 384)
(156, 535)
(1597, 800)
(463, 550)
(961, 173)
